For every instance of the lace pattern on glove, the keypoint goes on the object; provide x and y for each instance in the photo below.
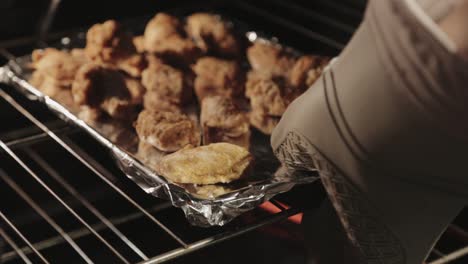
(376, 243)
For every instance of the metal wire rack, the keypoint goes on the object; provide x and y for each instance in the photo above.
(61, 195)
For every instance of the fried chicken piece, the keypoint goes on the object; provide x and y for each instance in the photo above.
(178, 50)
(110, 43)
(133, 65)
(153, 101)
(263, 122)
(222, 121)
(169, 83)
(271, 59)
(58, 65)
(217, 77)
(136, 90)
(139, 42)
(163, 36)
(214, 163)
(103, 87)
(213, 34)
(159, 28)
(167, 131)
(267, 95)
(306, 71)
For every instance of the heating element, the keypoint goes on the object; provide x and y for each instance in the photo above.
(64, 199)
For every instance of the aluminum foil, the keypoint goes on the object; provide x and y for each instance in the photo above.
(203, 205)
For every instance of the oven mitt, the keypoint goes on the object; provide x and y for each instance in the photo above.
(386, 126)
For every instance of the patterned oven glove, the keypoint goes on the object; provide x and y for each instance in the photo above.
(386, 126)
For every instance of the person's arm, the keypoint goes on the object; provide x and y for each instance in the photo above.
(381, 128)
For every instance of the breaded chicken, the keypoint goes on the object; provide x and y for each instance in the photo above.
(267, 95)
(103, 87)
(217, 77)
(223, 121)
(306, 71)
(167, 131)
(212, 34)
(169, 83)
(58, 65)
(158, 29)
(214, 163)
(153, 101)
(164, 36)
(109, 43)
(270, 59)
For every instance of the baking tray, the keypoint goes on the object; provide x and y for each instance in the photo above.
(207, 205)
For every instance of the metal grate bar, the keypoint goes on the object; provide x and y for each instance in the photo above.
(27, 169)
(221, 237)
(44, 215)
(452, 256)
(278, 204)
(298, 28)
(13, 227)
(100, 174)
(54, 174)
(82, 232)
(38, 137)
(15, 247)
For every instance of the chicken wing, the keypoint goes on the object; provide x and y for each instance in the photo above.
(217, 77)
(222, 121)
(214, 163)
(167, 131)
(212, 34)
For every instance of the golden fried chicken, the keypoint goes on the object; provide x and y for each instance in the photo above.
(267, 95)
(103, 87)
(212, 34)
(132, 65)
(263, 122)
(178, 50)
(110, 43)
(270, 59)
(167, 131)
(153, 101)
(158, 29)
(217, 77)
(214, 163)
(223, 121)
(164, 36)
(169, 83)
(58, 65)
(306, 71)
